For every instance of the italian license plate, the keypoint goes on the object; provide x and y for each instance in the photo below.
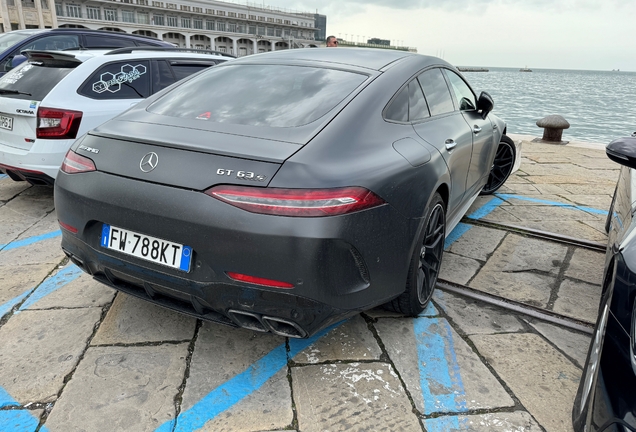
(147, 248)
(6, 122)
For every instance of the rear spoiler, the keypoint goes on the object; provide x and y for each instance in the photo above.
(52, 58)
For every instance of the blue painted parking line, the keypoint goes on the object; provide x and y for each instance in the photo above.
(29, 241)
(459, 231)
(16, 420)
(440, 376)
(52, 284)
(240, 386)
(445, 424)
(486, 209)
(3, 176)
(553, 203)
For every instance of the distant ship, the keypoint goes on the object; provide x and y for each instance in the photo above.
(525, 69)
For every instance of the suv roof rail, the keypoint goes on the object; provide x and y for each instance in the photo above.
(128, 50)
(86, 30)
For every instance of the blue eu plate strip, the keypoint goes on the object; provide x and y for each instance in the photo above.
(105, 235)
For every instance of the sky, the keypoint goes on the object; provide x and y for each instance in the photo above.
(547, 34)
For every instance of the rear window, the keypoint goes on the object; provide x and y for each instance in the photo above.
(32, 81)
(259, 95)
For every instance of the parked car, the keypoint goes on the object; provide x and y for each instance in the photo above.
(606, 398)
(46, 103)
(14, 42)
(283, 191)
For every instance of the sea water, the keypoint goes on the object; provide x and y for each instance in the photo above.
(599, 105)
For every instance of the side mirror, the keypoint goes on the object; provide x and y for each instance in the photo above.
(17, 60)
(623, 151)
(485, 104)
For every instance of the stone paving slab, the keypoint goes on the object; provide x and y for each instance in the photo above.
(221, 354)
(517, 421)
(351, 341)
(478, 243)
(456, 380)
(542, 378)
(79, 293)
(45, 251)
(578, 300)
(573, 344)
(132, 320)
(458, 269)
(38, 349)
(10, 189)
(369, 397)
(18, 280)
(586, 265)
(121, 389)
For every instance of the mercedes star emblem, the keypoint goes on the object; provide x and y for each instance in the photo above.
(149, 162)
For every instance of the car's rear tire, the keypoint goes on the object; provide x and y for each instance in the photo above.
(501, 167)
(426, 262)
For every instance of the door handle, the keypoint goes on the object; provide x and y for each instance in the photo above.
(450, 144)
(476, 129)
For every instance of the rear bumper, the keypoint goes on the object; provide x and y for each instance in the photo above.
(338, 265)
(38, 165)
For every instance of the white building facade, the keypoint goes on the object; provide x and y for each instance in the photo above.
(227, 27)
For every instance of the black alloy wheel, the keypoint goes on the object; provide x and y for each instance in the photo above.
(501, 166)
(425, 263)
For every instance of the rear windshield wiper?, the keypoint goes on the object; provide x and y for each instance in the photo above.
(8, 91)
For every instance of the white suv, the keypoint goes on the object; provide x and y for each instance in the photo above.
(56, 96)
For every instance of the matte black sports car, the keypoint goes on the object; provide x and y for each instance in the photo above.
(284, 191)
(606, 399)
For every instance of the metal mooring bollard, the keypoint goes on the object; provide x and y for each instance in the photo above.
(553, 126)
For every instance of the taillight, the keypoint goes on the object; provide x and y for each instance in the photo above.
(67, 227)
(259, 280)
(75, 163)
(297, 202)
(56, 123)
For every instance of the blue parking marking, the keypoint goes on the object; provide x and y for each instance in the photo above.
(445, 424)
(456, 233)
(553, 203)
(52, 284)
(240, 386)
(16, 420)
(29, 241)
(6, 308)
(440, 377)
(486, 209)
(3, 176)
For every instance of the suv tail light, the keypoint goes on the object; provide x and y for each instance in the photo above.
(56, 123)
(74, 163)
(297, 202)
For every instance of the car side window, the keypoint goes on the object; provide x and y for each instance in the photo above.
(436, 92)
(398, 110)
(119, 80)
(162, 75)
(58, 42)
(183, 69)
(464, 97)
(101, 41)
(418, 109)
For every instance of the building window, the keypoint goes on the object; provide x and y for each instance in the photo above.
(209, 11)
(110, 14)
(29, 4)
(242, 16)
(157, 4)
(197, 24)
(186, 22)
(143, 18)
(220, 13)
(260, 31)
(253, 17)
(279, 21)
(197, 9)
(252, 30)
(279, 32)
(295, 33)
(172, 21)
(270, 31)
(220, 26)
(231, 14)
(171, 5)
(158, 20)
(209, 25)
(261, 18)
(240, 28)
(93, 13)
(128, 16)
(185, 8)
(73, 11)
(270, 19)
(287, 22)
(231, 27)
(142, 2)
(45, 4)
(59, 10)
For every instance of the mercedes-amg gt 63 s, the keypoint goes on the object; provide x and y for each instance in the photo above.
(284, 191)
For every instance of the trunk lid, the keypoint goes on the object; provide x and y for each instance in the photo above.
(18, 120)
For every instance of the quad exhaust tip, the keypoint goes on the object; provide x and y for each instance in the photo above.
(256, 322)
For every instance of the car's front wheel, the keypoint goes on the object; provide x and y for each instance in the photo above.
(501, 167)
(425, 262)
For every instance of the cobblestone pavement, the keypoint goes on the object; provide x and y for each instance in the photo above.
(76, 355)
